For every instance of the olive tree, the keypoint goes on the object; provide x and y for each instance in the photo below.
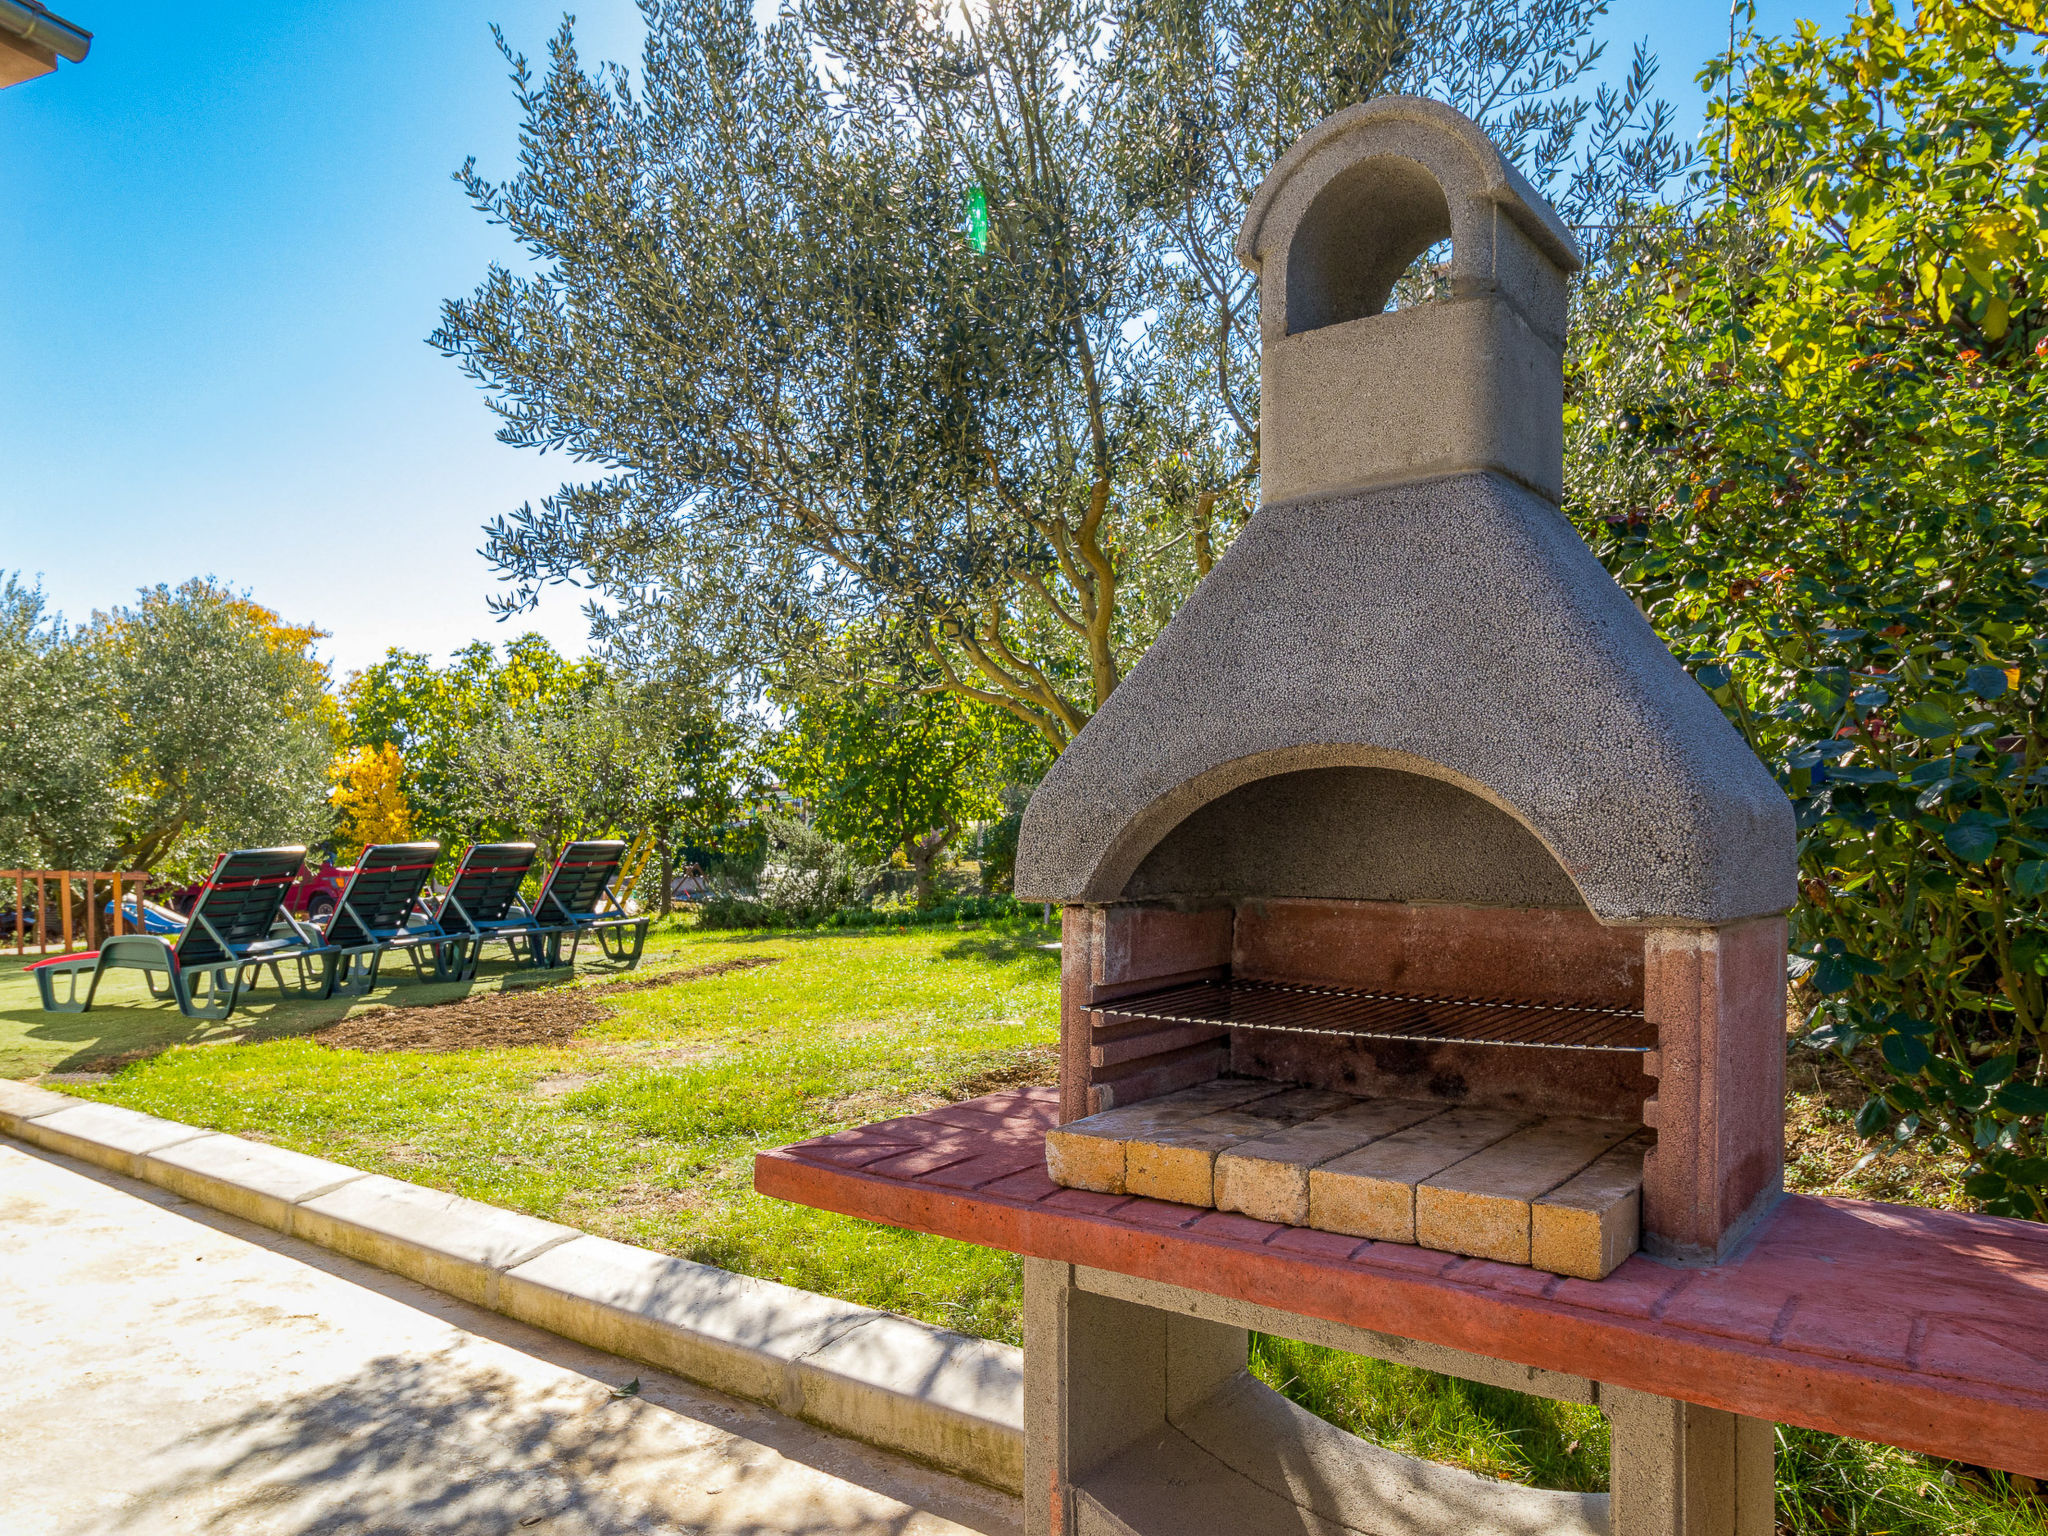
(922, 321)
(58, 799)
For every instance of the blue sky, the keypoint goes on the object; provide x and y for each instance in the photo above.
(225, 236)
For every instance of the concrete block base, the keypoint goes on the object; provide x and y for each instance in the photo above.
(1140, 1419)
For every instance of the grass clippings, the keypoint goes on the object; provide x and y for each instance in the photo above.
(546, 1016)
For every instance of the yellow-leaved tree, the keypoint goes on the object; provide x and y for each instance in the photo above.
(369, 796)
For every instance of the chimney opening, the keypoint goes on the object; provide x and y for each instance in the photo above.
(1358, 245)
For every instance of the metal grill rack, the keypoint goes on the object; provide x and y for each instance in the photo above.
(1328, 1011)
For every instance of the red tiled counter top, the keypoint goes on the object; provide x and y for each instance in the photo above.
(1925, 1329)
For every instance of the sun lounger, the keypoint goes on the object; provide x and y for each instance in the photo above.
(481, 903)
(373, 915)
(567, 907)
(237, 925)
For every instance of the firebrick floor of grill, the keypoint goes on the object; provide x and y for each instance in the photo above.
(1562, 1193)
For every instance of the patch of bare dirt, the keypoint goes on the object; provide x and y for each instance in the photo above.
(871, 1104)
(1823, 1153)
(671, 978)
(559, 1085)
(547, 1016)
(543, 1015)
(615, 1211)
(1825, 1156)
(1033, 1065)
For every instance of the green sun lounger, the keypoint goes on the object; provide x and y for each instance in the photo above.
(237, 925)
(568, 907)
(481, 902)
(373, 915)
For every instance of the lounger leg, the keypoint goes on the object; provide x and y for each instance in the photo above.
(46, 984)
(196, 1003)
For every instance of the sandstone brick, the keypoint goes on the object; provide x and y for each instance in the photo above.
(1481, 1205)
(1090, 1153)
(1268, 1178)
(1179, 1162)
(1591, 1222)
(1371, 1192)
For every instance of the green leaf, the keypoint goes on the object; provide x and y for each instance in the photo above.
(1986, 682)
(1994, 1071)
(2030, 877)
(1971, 844)
(1905, 1055)
(1873, 1117)
(1936, 792)
(2023, 1099)
(1833, 1035)
(1926, 720)
(1832, 974)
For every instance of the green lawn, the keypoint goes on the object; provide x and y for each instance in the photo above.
(644, 1129)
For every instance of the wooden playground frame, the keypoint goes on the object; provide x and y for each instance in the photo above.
(35, 886)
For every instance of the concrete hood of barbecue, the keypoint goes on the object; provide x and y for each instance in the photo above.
(1453, 699)
(1455, 629)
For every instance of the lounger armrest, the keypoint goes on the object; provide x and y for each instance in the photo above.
(145, 949)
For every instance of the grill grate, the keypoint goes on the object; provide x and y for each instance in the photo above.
(1298, 1010)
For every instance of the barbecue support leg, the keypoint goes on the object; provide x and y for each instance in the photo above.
(1140, 1419)
(1682, 1470)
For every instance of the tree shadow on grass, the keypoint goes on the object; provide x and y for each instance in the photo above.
(1007, 946)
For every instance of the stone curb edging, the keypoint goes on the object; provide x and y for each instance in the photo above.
(954, 1401)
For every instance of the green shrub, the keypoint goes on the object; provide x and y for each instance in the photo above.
(997, 850)
(1806, 432)
(806, 879)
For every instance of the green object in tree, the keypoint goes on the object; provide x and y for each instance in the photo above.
(977, 218)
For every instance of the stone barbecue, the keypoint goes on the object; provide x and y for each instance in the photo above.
(1412, 890)
(1424, 932)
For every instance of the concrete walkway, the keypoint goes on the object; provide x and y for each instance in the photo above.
(166, 1368)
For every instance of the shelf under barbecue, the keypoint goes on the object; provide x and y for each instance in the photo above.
(1302, 1010)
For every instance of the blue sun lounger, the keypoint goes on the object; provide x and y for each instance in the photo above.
(373, 915)
(237, 925)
